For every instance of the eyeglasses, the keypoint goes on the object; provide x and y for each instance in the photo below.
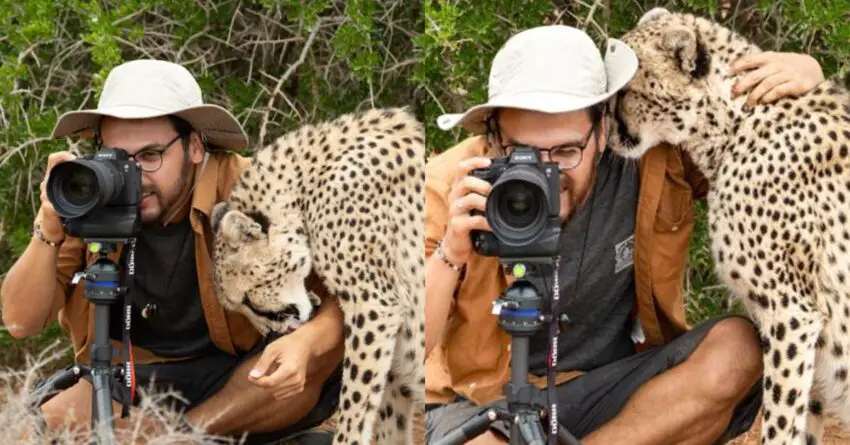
(567, 156)
(150, 159)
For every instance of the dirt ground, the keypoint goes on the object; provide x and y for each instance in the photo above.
(832, 435)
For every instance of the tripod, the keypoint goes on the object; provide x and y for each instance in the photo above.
(520, 315)
(101, 288)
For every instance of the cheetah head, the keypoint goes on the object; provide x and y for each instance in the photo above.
(259, 269)
(682, 92)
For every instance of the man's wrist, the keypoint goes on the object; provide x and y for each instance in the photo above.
(51, 240)
(448, 258)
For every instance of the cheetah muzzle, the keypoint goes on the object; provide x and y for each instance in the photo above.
(777, 205)
(342, 201)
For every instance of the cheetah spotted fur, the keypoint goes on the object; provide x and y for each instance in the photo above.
(778, 205)
(343, 199)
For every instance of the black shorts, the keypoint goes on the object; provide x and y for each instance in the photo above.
(590, 400)
(199, 378)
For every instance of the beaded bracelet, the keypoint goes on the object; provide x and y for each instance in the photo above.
(442, 256)
(40, 235)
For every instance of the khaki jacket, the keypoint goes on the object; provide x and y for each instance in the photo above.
(473, 358)
(231, 332)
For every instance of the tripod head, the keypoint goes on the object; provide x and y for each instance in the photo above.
(521, 313)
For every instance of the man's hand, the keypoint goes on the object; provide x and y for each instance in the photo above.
(51, 224)
(775, 75)
(468, 193)
(282, 369)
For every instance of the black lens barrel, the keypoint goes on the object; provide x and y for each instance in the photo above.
(77, 187)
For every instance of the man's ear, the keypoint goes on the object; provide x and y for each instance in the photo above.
(690, 53)
(196, 148)
(238, 227)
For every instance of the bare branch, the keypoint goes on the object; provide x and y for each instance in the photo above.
(289, 71)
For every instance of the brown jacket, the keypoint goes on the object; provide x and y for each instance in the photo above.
(229, 331)
(472, 359)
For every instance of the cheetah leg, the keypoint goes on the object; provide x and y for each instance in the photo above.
(405, 387)
(368, 358)
(814, 420)
(788, 371)
(396, 412)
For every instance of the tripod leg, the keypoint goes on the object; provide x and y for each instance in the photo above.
(566, 438)
(102, 423)
(60, 381)
(472, 428)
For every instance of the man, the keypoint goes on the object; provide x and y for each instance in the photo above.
(630, 369)
(181, 335)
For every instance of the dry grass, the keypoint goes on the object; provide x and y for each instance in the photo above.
(20, 424)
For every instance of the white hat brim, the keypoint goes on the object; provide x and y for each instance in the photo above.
(621, 64)
(219, 127)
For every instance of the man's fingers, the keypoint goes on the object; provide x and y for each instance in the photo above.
(752, 79)
(469, 184)
(59, 156)
(287, 393)
(784, 90)
(467, 165)
(748, 62)
(463, 224)
(761, 89)
(279, 378)
(262, 366)
(467, 203)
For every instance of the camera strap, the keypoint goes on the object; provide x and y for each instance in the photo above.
(553, 354)
(127, 352)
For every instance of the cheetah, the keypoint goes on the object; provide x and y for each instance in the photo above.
(342, 199)
(777, 205)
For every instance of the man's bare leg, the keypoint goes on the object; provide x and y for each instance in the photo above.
(242, 406)
(72, 407)
(689, 404)
(239, 406)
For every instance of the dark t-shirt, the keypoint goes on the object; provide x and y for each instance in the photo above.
(599, 301)
(166, 276)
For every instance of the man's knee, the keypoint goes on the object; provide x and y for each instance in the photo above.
(70, 408)
(731, 359)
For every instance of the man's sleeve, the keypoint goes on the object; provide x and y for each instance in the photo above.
(70, 260)
(436, 212)
(699, 183)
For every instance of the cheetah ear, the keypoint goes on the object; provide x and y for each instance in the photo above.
(238, 227)
(652, 14)
(217, 214)
(690, 53)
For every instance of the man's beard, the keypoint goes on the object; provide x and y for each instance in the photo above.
(168, 207)
(569, 195)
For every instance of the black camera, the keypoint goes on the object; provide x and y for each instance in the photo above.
(98, 196)
(522, 208)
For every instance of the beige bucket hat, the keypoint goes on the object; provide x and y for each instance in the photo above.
(551, 69)
(152, 88)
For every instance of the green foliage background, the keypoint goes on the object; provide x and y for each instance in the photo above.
(433, 55)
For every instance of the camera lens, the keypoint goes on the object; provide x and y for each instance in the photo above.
(517, 208)
(80, 188)
(519, 205)
(77, 187)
